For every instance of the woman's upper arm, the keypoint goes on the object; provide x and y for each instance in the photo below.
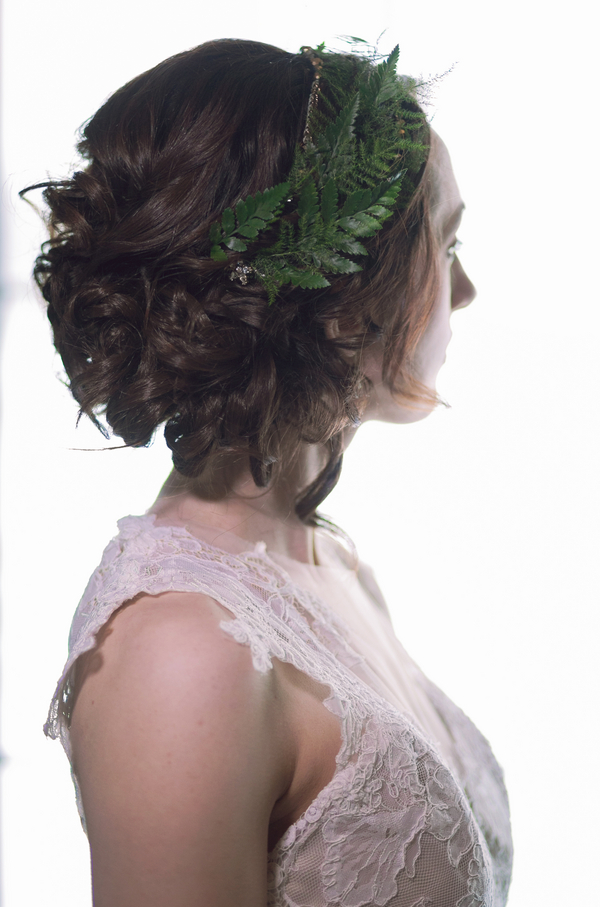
(179, 749)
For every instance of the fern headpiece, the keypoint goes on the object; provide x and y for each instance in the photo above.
(364, 144)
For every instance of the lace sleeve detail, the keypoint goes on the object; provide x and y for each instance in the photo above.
(144, 559)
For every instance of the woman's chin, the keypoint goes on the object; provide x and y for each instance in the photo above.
(392, 411)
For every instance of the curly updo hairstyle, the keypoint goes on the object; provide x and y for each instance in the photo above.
(150, 328)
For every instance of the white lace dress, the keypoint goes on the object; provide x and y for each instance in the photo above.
(416, 814)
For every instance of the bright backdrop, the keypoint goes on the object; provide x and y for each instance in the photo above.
(481, 522)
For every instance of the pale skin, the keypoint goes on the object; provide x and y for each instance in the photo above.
(191, 763)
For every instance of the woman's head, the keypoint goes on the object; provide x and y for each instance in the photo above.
(454, 291)
(151, 327)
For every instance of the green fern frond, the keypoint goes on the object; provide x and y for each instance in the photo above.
(335, 148)
(343, 185)
(252, 215)
(329, 200)
(308, 204)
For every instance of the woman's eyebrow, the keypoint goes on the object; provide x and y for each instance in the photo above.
(454, 219)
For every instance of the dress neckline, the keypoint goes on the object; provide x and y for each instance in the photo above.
(249, 549)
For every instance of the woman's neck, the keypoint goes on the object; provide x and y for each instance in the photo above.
(232, 508)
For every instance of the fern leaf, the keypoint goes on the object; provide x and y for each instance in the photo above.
(217, 254)
(228, 221)
(357, 201)
(387, 194)
(360, 224)
(337, 264)
(352, 39)
(350, 246)
(308, 203)
(269, 202)
(236, 244)
(251, 229)
(241, 211)
(329, 201)
(378, 211)
(287, 238)
(392, 61)
(382, 84)
(215, 234)
(389, 84)
(397, 176)
(253, 214)
(338, 137)
(307, 280)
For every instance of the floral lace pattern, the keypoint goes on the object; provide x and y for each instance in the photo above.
(394, 827)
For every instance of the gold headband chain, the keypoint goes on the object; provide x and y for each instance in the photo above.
(317, 63)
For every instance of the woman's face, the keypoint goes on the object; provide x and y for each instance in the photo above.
(455, 292)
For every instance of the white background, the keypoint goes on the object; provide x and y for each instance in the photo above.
(481, 522)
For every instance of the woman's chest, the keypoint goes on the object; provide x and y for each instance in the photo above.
(388, 818)
(370, 789)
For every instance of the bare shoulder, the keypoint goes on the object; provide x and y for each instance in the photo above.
(170, 638)
(166, 649)
(180, 750)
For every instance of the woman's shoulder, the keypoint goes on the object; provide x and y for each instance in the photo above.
(147, 558)
(175, 736)
(151, 563)
(170, 648)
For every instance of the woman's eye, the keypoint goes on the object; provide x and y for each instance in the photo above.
(453, 249)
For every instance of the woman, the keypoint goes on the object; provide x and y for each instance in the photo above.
(261, 253)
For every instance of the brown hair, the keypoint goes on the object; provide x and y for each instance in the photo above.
(151, 330)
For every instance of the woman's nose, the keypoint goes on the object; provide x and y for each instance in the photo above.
(463, 291)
